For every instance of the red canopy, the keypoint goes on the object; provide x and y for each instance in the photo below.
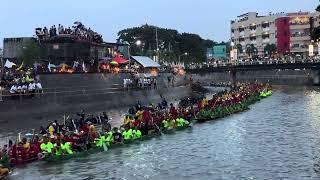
(120, 60)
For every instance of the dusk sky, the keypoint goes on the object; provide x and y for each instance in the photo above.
(208, 18)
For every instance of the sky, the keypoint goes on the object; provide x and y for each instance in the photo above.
(208, 18)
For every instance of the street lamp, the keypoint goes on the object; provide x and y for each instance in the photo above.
(184, 54)
(138, 43)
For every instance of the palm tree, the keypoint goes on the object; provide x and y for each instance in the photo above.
(239, 48)
(270, 49)
(251, 50)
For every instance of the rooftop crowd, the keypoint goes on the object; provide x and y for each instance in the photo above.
(78, 30)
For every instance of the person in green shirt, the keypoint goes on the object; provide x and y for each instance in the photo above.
(46, 146)
(136, 134)
(66, 147)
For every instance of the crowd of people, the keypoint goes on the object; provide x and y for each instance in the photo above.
(78, 30)
(81, 133)
(18, 82)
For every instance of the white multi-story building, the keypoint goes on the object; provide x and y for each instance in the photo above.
(290, 32)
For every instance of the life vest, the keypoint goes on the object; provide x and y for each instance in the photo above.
(127, 134)
(180, 122)
(66, 147)
(47, 147)
(58, 149)
(110, 138)
(99, 141)
(165, 124)
(137, 134)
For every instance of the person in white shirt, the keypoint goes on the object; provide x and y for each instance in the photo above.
(39, 87)
(13, 89)
(32, 88)
(24, 88)
(19, 89)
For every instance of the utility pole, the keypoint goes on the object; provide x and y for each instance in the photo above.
(157, 41)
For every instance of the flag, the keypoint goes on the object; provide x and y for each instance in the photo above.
(84, 67)
(49, 67)
(21, 66)
(9, 64)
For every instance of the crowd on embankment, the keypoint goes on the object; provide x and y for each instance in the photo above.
(75, 135)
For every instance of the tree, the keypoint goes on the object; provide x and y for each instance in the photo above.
(30, 52)
(171, 43)
(269, 49)
(251, 50)
(318, 8)
(239, 48)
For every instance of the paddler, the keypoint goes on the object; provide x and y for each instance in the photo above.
(166, 123)
(4, 165)
(46, 146)
(117, 135)
(66, 147)
(136, 134)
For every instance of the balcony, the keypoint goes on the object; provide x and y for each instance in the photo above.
(299, 26)
(241, 33)
(300, 38)
(252, 31)
(267, 40)
(266, 29)
(253, 42)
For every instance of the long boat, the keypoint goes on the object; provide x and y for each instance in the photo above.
(93, 150)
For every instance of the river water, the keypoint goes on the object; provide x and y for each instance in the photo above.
(279, 138)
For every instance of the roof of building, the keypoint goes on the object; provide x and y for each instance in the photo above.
(146, 61)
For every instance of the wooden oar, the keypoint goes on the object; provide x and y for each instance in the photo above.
(75, 127)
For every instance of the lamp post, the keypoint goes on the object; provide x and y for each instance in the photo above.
(138, 43)
(184, 54)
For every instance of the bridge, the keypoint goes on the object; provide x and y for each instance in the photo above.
(233, 69)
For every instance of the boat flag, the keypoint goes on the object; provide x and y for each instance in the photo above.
(49, 66)
(84, 67)
(9, 64)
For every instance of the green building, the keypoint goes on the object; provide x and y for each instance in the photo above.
(220, 51)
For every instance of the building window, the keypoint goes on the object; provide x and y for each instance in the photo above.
(265, 25)
(265, 36)
(253, 27)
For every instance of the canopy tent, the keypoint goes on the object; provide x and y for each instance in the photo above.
(146, 62)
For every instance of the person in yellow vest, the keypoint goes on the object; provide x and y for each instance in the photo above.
(51, 129)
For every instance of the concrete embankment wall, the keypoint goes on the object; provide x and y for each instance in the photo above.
(278, 77)
(68, 93)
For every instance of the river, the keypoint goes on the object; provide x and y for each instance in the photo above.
(279, 138)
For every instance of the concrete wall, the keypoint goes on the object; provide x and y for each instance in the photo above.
(283, 77)
(68, 93)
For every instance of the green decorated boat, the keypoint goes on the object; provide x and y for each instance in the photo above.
(55, 158)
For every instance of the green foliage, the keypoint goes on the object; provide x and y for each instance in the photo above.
(251, 50)
(270, 49)
(30, 52)
(315, 33)
(239, 48)
(171, 43)
(318, 8)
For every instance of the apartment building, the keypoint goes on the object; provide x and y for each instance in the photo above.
(290, 32)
